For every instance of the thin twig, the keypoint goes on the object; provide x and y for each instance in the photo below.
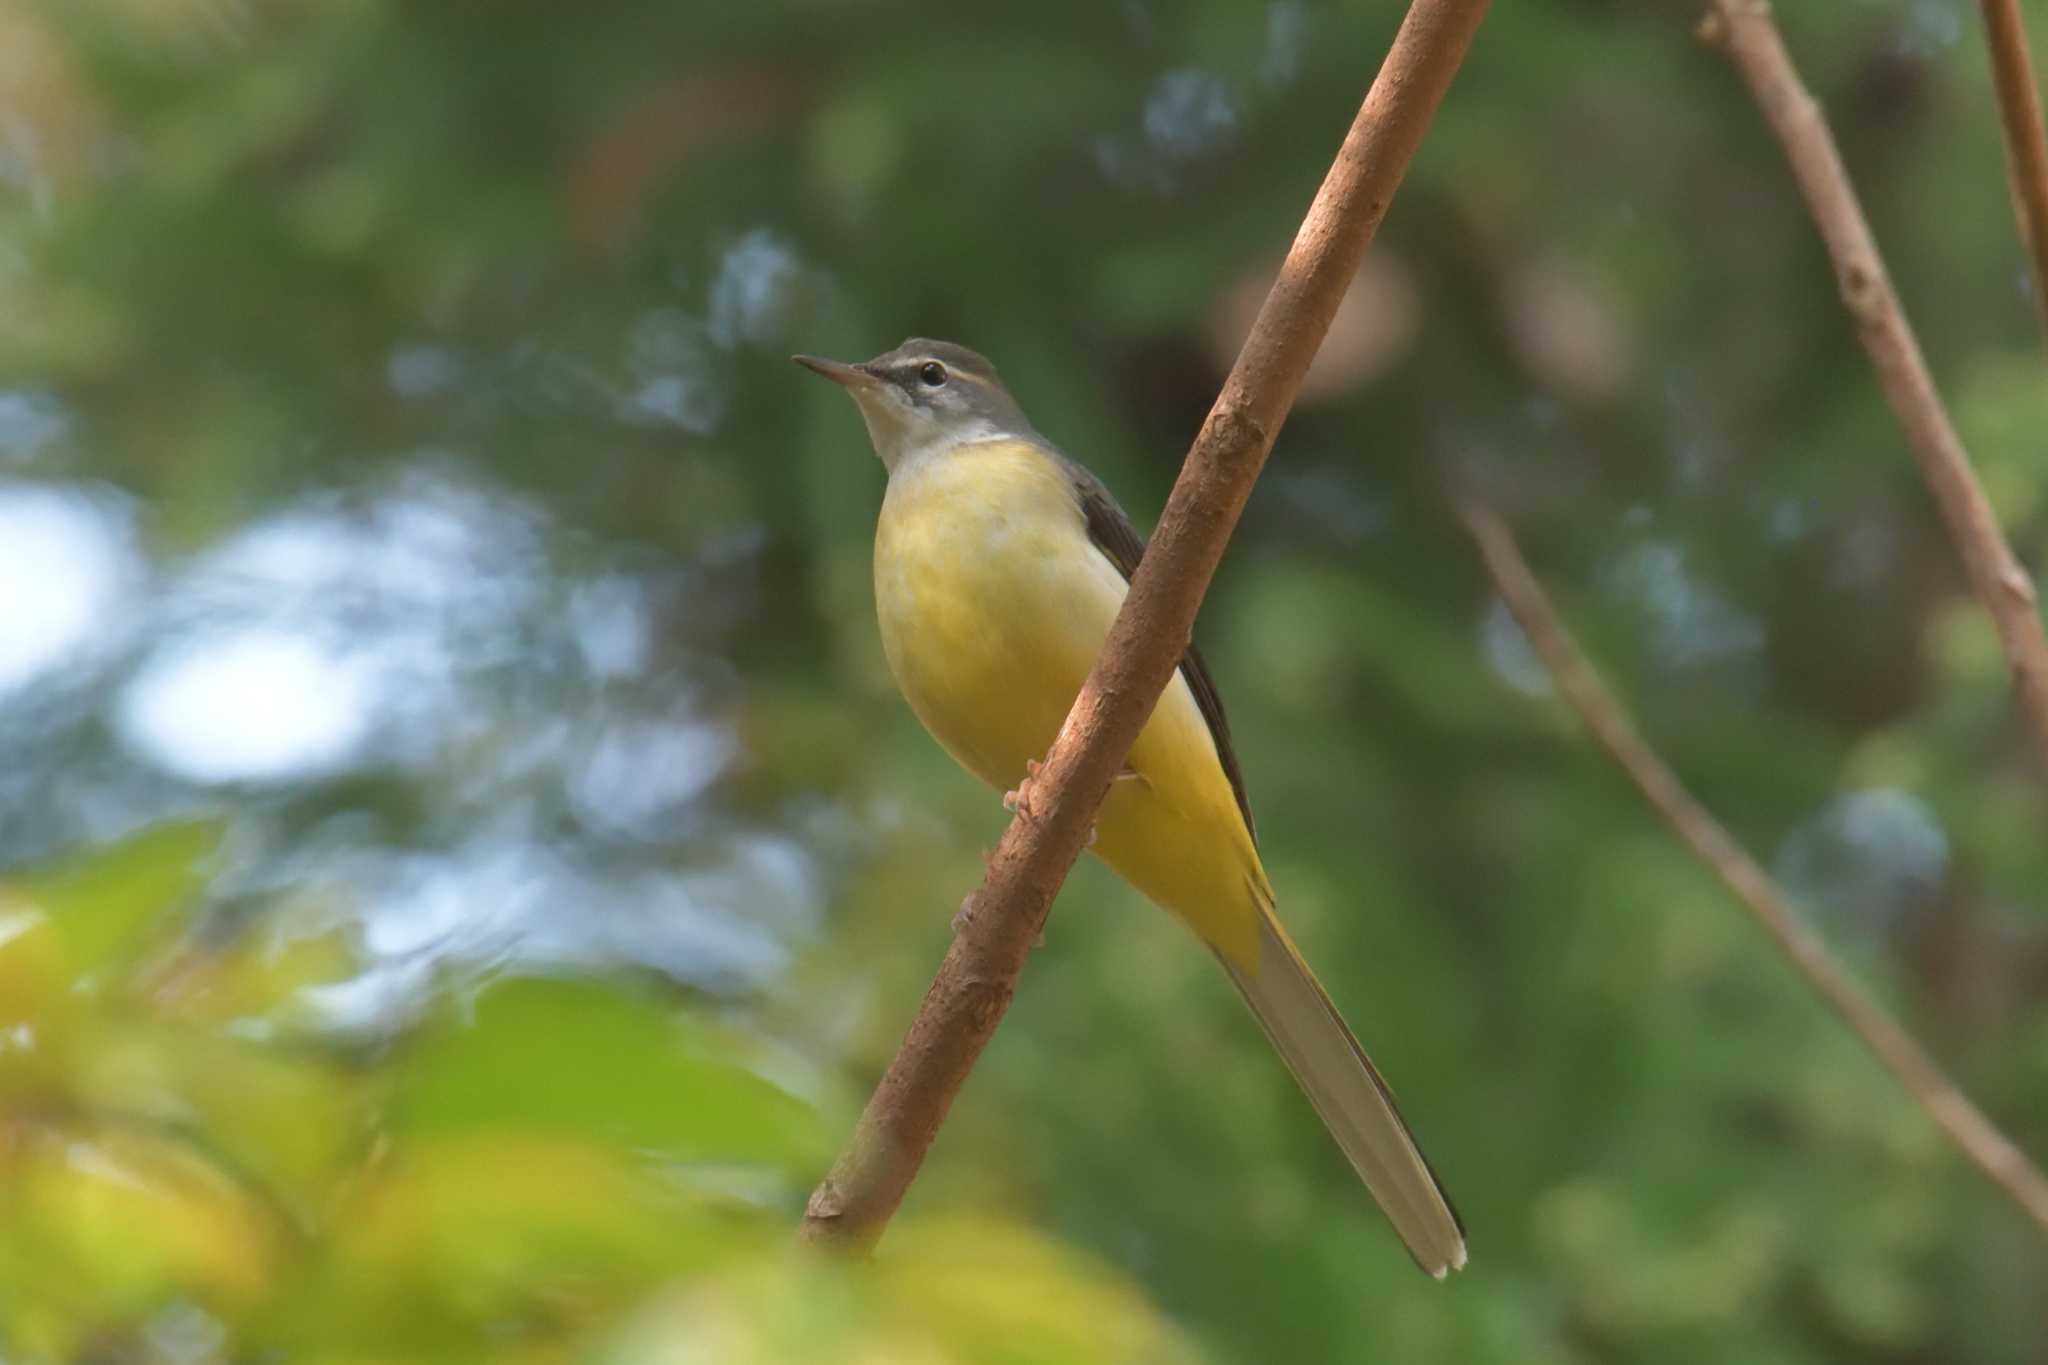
(1745, 30)
(1966, 1126)
(2026, 145)
(1003, 919)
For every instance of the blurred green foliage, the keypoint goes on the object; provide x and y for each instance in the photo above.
(548, 1173)
(466, 859)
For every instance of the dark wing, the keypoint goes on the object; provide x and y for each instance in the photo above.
(1114, 535)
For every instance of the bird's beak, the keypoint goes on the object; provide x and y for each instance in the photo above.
(847, 376)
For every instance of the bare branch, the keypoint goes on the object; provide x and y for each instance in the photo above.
(1963, 1123)
(1003, 919)
(2026, 146)
(1745, 30)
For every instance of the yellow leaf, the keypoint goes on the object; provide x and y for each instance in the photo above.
(105, 1224)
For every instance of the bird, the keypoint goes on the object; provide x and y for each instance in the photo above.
(999, 565)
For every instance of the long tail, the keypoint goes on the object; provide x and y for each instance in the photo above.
(1354, 1102)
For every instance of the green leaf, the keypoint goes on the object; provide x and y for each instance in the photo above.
(101, 903)
(458, 1234)
(997, 1292)
(576, 1057)
(286, 1120)
(967, 1292)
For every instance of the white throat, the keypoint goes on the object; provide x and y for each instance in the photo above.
(901, 445)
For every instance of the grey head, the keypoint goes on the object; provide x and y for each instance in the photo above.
(926, 397)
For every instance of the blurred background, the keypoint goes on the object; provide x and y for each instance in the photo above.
(465, 861)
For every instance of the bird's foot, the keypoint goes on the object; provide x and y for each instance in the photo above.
(1018, 799)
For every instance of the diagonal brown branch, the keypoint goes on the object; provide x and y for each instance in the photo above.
(2026, 144)
(1745, 30)
(1003, 919)
(1963, 1123)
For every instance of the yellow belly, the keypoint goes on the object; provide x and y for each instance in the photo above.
(993, 605)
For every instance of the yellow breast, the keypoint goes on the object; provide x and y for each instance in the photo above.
(993, 605)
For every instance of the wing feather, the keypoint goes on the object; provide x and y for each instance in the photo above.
(1118, 539)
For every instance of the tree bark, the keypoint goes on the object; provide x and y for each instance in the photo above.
(2026, 144)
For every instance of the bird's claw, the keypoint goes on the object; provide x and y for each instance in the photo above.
(1018, 799)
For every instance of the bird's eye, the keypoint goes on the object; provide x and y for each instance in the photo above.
(933, 373)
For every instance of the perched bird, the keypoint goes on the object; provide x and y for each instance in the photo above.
(999, 565)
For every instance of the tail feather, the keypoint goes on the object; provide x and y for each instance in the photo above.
(1350, 1096)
